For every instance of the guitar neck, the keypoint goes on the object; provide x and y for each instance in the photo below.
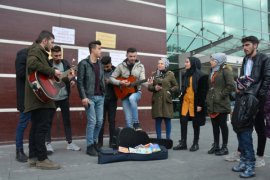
(136, 83)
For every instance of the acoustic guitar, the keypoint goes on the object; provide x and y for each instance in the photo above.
(47, 88)
(123, 91)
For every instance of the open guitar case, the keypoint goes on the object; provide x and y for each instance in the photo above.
(128, 137)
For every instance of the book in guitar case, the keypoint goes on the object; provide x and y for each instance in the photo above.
(47, 88)
(123, 91)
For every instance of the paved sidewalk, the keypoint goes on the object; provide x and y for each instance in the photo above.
(181, 165)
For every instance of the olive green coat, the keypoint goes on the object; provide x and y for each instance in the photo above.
(162, 105)
(37, 60)
(218, 96)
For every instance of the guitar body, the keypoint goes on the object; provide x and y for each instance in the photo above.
(123, 91)
(45, 88)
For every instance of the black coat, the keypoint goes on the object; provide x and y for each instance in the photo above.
(199, 99)
(261, 75)
(249, 101)
(20, 67)
(244, 114)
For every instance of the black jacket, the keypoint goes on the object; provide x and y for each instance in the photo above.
(86, 78)
(20, 66)
(109, 88)
(249, 101)
(66, 67)
(261, 74)
(244, 114)
(199, 98)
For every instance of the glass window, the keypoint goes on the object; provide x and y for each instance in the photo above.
(233, 19)
(187, 45)
(212, 31)
(236, 32)
(171, 6)
(171, 21)
(190, 8)
(213, 11)
(253, 4)
(252, 33)
(189, 27)
(172, 45)
(236, 2)
(252, 19)
(265, 37)
(264, 5)
(265, 23)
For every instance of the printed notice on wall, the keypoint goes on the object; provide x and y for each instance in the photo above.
(82, 54)
(63, 35)
(117, 57)
(107, 40)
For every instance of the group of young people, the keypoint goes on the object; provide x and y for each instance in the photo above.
(200, 95)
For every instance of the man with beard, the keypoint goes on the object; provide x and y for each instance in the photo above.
(110, 102)
(130, 66)
(62, 101)
(256, 66)
(91, 87)
(37, 61)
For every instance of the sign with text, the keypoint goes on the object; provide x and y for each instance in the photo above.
(117, 57)
(63, 35)
(107, 40)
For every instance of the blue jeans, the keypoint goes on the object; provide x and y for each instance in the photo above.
(168, 127)
(22, 125)
(130, 107)
(246, 147)
(94, 115)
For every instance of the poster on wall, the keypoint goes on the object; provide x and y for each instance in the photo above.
(63, 35)
(107, 40)
(117, 57)
(82, 54)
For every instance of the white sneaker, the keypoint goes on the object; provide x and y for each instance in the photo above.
(259, 162)
(235, 156)
(73, 147)
(49, 148)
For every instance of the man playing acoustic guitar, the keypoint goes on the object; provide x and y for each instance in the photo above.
(37, 61)
(130, 69)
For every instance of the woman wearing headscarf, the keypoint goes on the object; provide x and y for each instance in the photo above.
(163, 86)
(192, 102)
(218, 100)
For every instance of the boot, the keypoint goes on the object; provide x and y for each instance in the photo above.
(214, 149)
(20, 156)
(47, 165)
(98, 146)
(194, 147)
(181, 146)
(91, 150)
(223, 151)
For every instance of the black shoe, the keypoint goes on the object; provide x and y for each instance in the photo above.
(137, 126)
(20, 156)
(91, 150)
(223, 151)
(181, 146)
(98, 146)
(214, 149)
(194, 147)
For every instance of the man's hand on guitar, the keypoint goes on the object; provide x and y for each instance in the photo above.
(85, 102)
(124, 83)
(71, 74)
(72, 84)
(57, 73)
